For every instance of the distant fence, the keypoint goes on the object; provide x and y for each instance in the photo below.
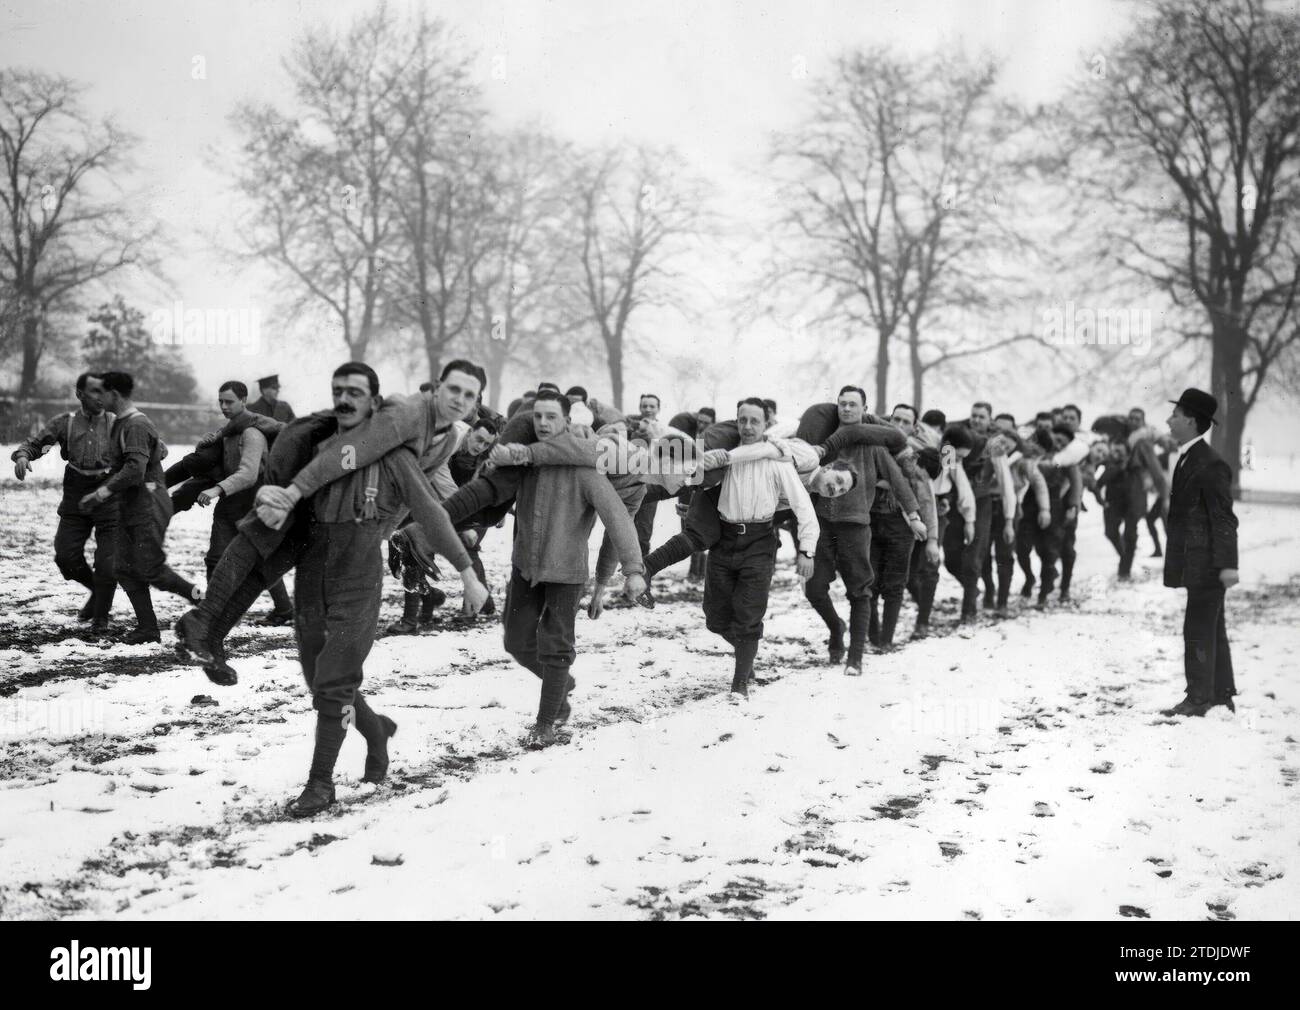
(178, 423)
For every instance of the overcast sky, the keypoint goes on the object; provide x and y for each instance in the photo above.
(713, 79)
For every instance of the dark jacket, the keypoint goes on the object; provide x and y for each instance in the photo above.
(1202, 529)
(280, 412)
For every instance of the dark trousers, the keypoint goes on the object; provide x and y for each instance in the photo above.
(737, 580)
(539, 634)
(1157, 513)
(1001, 552)
(846, 548)
(923, 577)
(70, 538)
(1069, 530)
(1122, 531)
(225, 528)
(339, 583)
(891, 553)
(965, 561)
(644, 521)
(239, 578)
(141, 561)
(1207, 659)
(701, 529)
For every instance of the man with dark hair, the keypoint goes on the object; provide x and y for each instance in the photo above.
(340, 579)
(144, 509)
(844, 524)
(1005, 422)
(903, 417)
(556, 507)
(893, 536)
(965, 559)
(264, 553)
(935, 419)
(269, 403)
(738, 578)
(576, 394)
(1043, 421)
(1201, 554)
(551, 386)
(769, 411)
(981, 417)
(83, 440)
(951, 493)
(648, 406)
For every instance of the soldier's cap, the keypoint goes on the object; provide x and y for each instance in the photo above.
(270, 380)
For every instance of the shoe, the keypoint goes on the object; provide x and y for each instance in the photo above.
(646, 600)
(314, 798)
(402, 627)
(1042, 601)
(221, 673)
(190, 638)
(853, 671)
(920, 631)
(433, 599)
(740, 685)
(1228, 702)
(541, 736)
(139, 636)
(1065, 596)
(87, 610)
(1001, 611)
(1027, 590)
(377, 756)
(276, 620)
(1189, 708)
(989, 604)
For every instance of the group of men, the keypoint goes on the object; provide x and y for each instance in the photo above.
(880, 503)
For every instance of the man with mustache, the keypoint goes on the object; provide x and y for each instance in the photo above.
(263, 553)
(340, 578)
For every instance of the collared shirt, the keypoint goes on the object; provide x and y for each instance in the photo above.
(1183, 450)
(82, 438)
(756, 491)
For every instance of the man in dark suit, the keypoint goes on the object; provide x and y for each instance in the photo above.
(269, 403)
(1201, 553)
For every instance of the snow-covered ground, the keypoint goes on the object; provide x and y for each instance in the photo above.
(1015, 770)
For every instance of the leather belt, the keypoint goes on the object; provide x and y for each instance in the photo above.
(741, 529)
(89, 473)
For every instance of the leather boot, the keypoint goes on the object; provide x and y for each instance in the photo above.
(409, 623)
(376, 729)
(319, 792)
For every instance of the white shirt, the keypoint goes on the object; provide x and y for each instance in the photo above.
(754, 493)
(1183, 450)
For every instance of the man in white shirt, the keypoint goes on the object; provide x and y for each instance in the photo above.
(741, 564)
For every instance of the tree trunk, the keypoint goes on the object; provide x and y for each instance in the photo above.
(615, 350)
(918, 373)
(495, 368)
(1226, 364)
(31, 355)
(882, 373)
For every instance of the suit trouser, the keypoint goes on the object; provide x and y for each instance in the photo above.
(225, 528)
(965, 561)
(239, 578)
(891, 553)
(737, 581)
(644, 521)
(539, 634)
(923, 576)
(1001, 551)
(339, 586)
(1207, 658)
(846, 548)
(70, 538)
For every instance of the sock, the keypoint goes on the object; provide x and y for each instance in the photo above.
(678, 548)
(555, 688)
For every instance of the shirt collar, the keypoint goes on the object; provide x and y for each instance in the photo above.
(133, 409)
(1183, 450)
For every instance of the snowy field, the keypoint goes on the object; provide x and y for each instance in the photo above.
(1017, 770)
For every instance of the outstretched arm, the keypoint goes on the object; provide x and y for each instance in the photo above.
(884, 435)
(397, 423)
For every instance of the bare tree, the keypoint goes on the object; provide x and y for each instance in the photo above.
(1191, 133)
(442, 191)
(894, 205)
(520, 313)
(318, 178)
(637, 212)
(65, 225)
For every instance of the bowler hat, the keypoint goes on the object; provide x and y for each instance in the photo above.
(1198, 403)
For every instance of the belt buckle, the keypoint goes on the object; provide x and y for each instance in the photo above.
(744, 528)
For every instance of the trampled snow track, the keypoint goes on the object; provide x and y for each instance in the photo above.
(1017, 769)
